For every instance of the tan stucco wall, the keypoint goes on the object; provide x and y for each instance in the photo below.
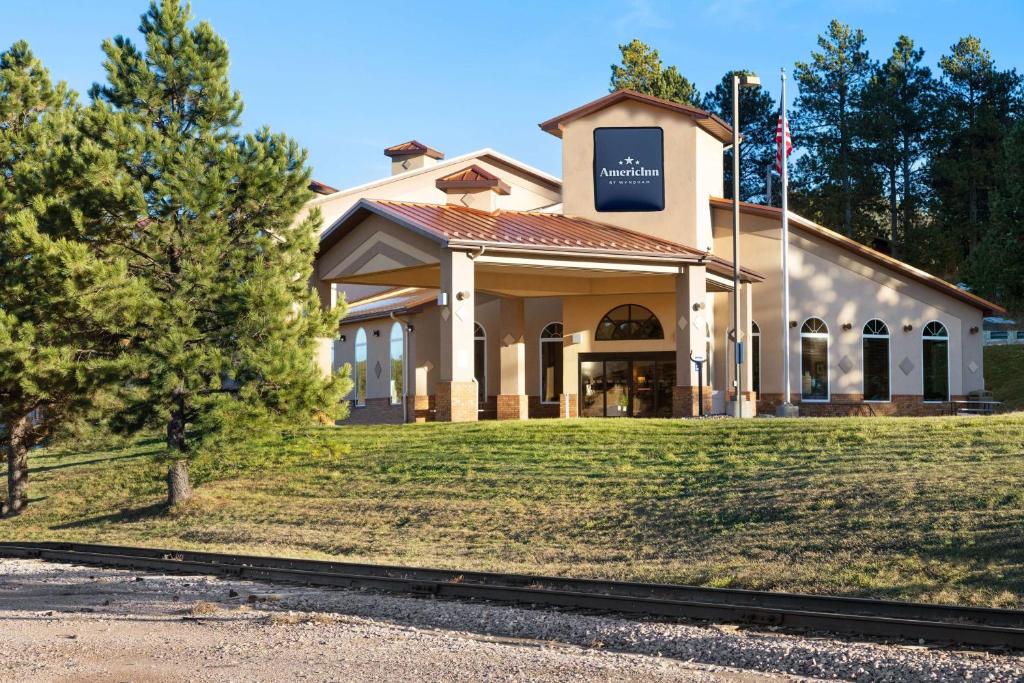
(840, 287)
(693, 172)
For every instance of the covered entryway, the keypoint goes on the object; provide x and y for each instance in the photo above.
(627, 384)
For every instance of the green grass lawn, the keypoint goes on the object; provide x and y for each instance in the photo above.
(920, 508)
(1004, 374)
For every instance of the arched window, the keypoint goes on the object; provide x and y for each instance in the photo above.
(480, 361)
(551, 363)
(397, 363)
(935, 362)
(875, 345)
(755, 356)
(360, 369)
(630, 321)
(814, 360)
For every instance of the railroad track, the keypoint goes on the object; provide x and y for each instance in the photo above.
(976, 626)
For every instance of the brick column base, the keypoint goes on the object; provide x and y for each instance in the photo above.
(513, 406)
(573, 406)
(456, 402)
(421, 408)
(684, 401)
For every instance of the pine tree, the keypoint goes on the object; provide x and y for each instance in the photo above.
(896, 113)
(996, 267)
(65, 308)
(976, 108)
(235, 324)
(840, 187)
(758, 118)
(641, 70)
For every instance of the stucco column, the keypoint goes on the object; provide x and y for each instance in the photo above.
(513, 403)
(456, 399)
(691, 338)
(327, 294)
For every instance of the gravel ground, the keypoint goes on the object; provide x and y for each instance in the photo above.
(85, 624)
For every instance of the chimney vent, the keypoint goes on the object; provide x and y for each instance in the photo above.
(412, 154)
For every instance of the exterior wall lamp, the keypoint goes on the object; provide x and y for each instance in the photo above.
(974, 329)
(847, 326)
(908, 327)
(376, 333)
(342, 338)
(792, 323)
(462, 296)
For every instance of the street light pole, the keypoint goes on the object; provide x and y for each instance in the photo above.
(738, 81)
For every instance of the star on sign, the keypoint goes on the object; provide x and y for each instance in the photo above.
(629, 160)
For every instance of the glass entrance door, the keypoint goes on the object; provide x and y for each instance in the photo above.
(627, 385)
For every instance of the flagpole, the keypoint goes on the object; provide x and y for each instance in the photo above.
(785, 249)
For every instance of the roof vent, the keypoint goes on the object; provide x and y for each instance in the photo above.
(412, 154)
(473, 187)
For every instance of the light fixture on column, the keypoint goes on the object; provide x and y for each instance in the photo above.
(342, 338)
(462, 296)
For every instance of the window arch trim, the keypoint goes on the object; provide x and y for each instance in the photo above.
(552, 333)
(876, 329)
(639, 323)
(815, 328)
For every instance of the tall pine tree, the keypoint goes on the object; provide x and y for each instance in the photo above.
(758, 118)
(641, 70)
(65, 308)
(235, 324)
(834, 184)
(896, 112)
(976, 108)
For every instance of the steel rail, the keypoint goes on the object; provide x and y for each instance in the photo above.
(988, 627)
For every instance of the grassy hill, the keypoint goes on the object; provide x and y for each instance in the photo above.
(927, 509)
(1004, 374)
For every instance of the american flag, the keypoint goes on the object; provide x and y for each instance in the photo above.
(778, 144)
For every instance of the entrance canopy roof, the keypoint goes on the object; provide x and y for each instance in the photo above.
(545, 240)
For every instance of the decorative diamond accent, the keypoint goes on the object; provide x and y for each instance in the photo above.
(846, 364)
(683, 322)
(459, 311)
(907, 366)
(377, 369)
(445, 313)
(508, 340)
(973, 367)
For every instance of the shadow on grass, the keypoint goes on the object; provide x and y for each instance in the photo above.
(124, 516)
(95, 461)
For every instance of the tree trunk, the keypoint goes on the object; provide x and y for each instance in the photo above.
(179, 489)
(17, 466)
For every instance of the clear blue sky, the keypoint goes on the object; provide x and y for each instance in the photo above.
(349, 78)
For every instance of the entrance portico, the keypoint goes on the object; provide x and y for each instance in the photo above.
(507, 265)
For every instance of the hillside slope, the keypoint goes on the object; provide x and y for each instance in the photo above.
(926, 508)
(1004, 374)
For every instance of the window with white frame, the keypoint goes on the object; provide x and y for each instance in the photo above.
(360, 369)
(875, 346)
(935, 362)
(551, 363)
(480, 361)
(814, 360)
(397, 355)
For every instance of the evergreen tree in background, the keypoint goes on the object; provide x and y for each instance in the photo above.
(835, 182)
(65, 309)
(641, 70)
(235, 325)
(996, 267)
(758, 118)
(897, 111)
(975, 112)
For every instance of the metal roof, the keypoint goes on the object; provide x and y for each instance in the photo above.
(810, 227)
(411, 148)
(452, 226)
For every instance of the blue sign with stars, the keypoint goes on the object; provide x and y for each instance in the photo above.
(629, 169)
